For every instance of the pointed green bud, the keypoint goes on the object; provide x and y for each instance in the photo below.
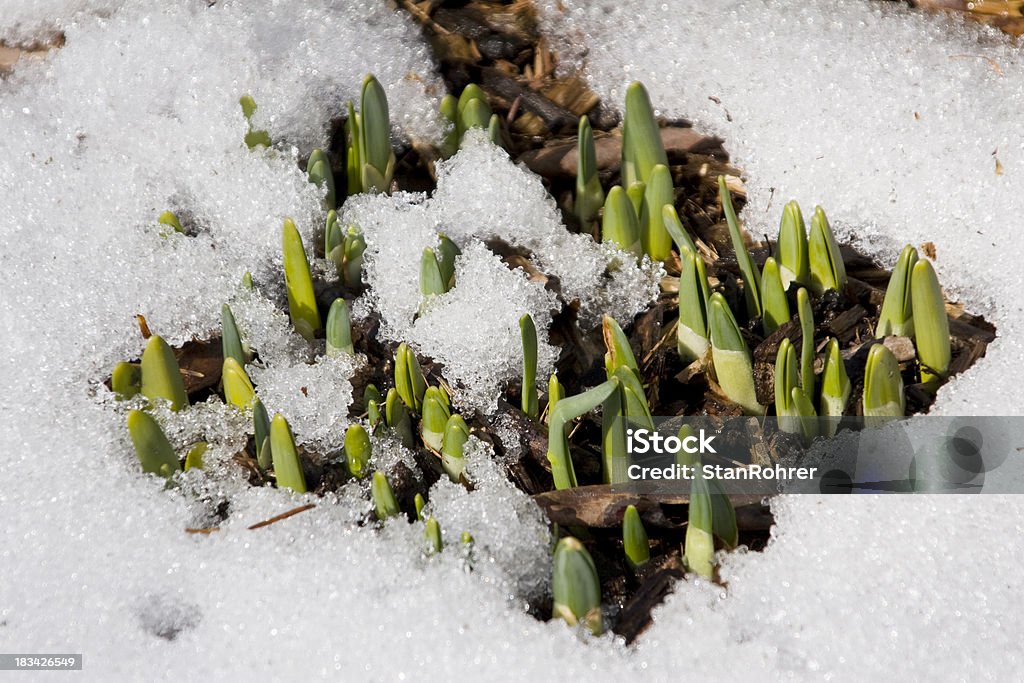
(805, 414)
(794, 265)
(299, 282)
(786, 380)
(773, 298)
(494, 130)
(247, 281)
(654, 236)
(617, 345)
(528, 332)
(194, 457)
(466, 538)
(126, 380)
(682, 239)
(474, 110)
(883, 386)
(383, 497)
(261, 430)
(238, 389)
(564, 412)
(575, 586)
(450, 112)
(418, 503)
(375, 138)
(357, 450)
(409, 378)
(699, 546)
(446, 252)
(374, 417)
(641, 138)
(692, 328)
(636, 192)
(456, 434)
(614, 458)
(334, 238)
(353, 160)
(723, 515)
(151, 445)
(589, 194)
(835, 386)
(371, 393)
(827, 268)
(931, 325)
(354, 245)
(431, 283)
(555, 393)
(435, 417)
(339, 330)
(897, 316)
(806, 316)
(398, 418)
(748, 270)
(731, 357)
(287, 468)
(161, 377)
(169, 219)
(230, 339)
(634, 538)
(318, 172)
(619, 224)
(432, 533)
(254, 138)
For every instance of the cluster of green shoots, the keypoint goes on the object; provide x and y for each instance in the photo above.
(472, 109)
(640, 217)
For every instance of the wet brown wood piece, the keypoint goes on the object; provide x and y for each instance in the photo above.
(599, 506)
(635, 616)
(558, 159)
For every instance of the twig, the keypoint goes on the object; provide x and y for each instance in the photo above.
(283, 515)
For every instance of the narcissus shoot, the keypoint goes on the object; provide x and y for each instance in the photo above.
(787, 379)
(161, 377)
(194, 457)
(794, 265)
(566, 410)
(151, 445)
(634, 538)
(261, 430)
(384, 501)
(931, 326)
(126, 380)
(748, 269)
(699, 546)
(375, 154)
(409, 379)
(530, 403)
(731, 357)
(654, 237)
(254, 138)
(396, 414)
(238, 389)
(619, 224)
(474, 110)
(432, 534)
(170, 219)
(897, 316)
(339, 329)
(418, 503)
(287, 467)
(589, 194)
(456, 434)
(230, 339)
(435, 417)
(357, 451)
(827, 268)
(575, 586)
(670, 218)
(835, 386)
(806, 316)
(299, 282)
(883, 386)
(641, 138)
(318, 171)
(773, 298)
(692, 328)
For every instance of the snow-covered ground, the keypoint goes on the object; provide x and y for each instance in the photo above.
(892, 120)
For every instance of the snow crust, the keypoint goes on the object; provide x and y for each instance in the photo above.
(138, 113)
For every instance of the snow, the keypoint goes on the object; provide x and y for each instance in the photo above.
(138, 113)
